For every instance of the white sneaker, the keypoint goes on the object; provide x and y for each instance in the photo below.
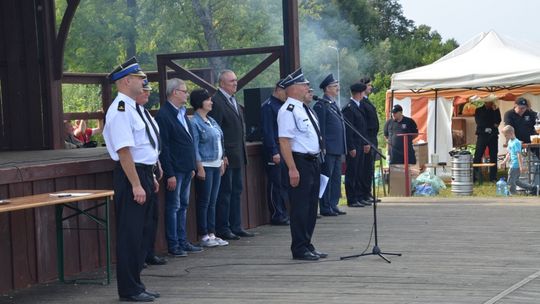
(208, 243)
(221, 242)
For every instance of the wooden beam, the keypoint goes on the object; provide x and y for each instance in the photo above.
(221, 53)
(188, 75)
(60, 41)
(291, 35)
(258, 69)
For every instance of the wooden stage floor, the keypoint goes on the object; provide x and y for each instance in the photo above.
(458, 250)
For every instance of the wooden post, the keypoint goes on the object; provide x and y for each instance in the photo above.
(291, 37)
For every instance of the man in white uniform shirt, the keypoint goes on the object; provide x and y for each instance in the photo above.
(300, 141)
(132, 139)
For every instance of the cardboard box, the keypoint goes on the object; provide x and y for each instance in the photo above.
(421, 152)
(396, 185)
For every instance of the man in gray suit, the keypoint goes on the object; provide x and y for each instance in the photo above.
(229, 115)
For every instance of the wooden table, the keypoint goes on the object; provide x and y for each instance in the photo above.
(63, 199)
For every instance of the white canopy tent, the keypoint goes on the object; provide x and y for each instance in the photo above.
(487, 60)
(486, 63)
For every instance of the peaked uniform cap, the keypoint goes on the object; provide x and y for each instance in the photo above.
(130, 67)
(296, 77)
(328, 81)
(146, 85)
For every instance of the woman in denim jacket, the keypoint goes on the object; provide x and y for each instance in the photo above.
(209, 152)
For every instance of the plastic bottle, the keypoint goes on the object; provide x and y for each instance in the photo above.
(502, 187)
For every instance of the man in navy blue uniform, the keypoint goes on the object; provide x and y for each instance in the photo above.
(275, 167)
(372, 129)
(356, 146)
(333, 133)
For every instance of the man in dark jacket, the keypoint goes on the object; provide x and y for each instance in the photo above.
(229, 115)
(356, 146)
(178, 162)
(372, 129)
(400, 124)
(487, 120)
(333, 133)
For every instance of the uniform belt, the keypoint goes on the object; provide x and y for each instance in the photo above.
(139, 165)
(307, 156)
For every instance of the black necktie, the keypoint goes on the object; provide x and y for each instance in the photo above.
(152, 142)
(316, 127)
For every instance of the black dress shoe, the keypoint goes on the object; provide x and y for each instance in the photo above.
(365, 202)
(280, 223)
(378, 200)
(318, 216)
(152, 293)
(339, 212)
(356, 205)
(228, 236)
(321, 255)
(329, 214)
(307, 256)
(243, 233)
(155, 260)
(142, 297)
(144, 265)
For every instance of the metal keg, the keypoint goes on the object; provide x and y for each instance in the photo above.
(462, 173)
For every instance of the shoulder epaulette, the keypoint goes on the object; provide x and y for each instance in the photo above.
(290, 107)
(121, 106)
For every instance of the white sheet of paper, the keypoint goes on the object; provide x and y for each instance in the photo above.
(68, 194)
(322, 187)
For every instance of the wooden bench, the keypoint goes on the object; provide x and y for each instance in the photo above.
(482, 165)
(64, 199)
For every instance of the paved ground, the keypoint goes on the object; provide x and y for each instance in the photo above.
(454, 251)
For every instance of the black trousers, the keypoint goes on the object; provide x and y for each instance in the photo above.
(492, 142)
(154, 212)
(276, 191)
(133, 229)
(355, 168)
(366, 177)
(303, 205)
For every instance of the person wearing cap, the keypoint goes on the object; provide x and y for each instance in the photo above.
(400, 124)
(132, 139)
(209, 153)
(353, 112)
(230, 117)
(178, 162)
(487, 118)
(276, 170)
(522, 118)
(151, 257)
(300, 144)
(372, 123)
(333, 133)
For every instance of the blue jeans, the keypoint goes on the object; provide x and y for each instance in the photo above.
(176, 204)
(207, 191)
(331, 168)
(228, 211)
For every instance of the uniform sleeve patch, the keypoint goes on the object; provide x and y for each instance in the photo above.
(121, 106)
(290, 107)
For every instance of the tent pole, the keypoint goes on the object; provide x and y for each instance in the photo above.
(436, 114)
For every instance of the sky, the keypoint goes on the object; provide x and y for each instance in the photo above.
(464, 19)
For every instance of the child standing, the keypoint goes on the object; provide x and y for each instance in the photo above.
(516, 162)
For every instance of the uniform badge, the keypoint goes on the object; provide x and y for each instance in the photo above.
(527, 118)
(290, 107)
(121, 106)
(403, 126)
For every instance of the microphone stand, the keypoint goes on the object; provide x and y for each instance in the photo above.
(376, 250)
